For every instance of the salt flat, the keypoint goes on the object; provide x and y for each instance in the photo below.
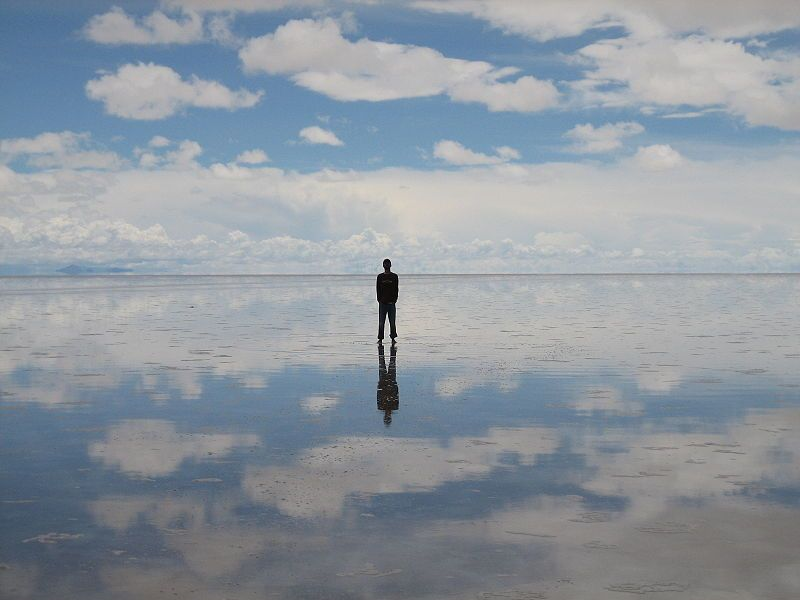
(529, 437)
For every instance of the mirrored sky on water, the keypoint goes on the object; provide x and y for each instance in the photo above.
(529, 437)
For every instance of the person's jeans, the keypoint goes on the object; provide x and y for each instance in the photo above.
(386, 309)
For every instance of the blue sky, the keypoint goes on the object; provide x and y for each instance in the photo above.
(454, 136)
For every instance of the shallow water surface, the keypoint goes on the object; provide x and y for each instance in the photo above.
(529, 437)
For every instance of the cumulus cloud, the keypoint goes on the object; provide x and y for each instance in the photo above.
(694, 71)
(658, 157)
(544, 217)
(552, 20)
(182, 155)
(64, 149)
(147, 91)
(318, 135)
(456, 154)
(591, 139)
(675, 54)
(117, 27)
(315, 55)
(158, 141)
(252, 157)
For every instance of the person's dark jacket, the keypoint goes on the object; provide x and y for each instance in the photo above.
(386, 287)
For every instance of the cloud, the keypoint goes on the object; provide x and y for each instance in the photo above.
(508, 217)
(243, 5)
(694, 71)
(182, 156)
(219, 31)
(552, 243)
(147, 91)
(315, 55)
(454, 153)
(591, 139)
(64, 149)
(676, 54)
(658, 157)
(318, 135)
(117, 27)
(526, 94)
(158, 141)
(693, 114)
(252, 157)
(552, 19)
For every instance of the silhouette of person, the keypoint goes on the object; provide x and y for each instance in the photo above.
(386, 288)
(388, 392)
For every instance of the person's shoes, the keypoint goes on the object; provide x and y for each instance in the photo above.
(380, 341)
(394, 340)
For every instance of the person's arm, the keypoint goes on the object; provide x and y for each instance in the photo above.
(378, 288)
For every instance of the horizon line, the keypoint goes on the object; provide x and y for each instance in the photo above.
(577, 273)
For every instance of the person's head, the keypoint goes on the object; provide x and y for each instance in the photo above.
(387, 264)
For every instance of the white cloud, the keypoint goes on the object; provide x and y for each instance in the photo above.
(44, 143)
(693, 114)
(243, 5)
(316, 55)
(148, 160)
(694, 71)
(149, 91)
(551, 18)
(674, 53)
(456, 154)
(658, 157)
(158, 141)
(184, 154)
(219, 31)
(117, 27)
(552, 243)
(591, 139)
(64, 149)
(507, 217)
(556, 19)
(526, 94)
(318, 135)
(252, 157)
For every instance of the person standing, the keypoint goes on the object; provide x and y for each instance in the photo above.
(386, 288)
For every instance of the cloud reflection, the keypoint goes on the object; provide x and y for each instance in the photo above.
(323, 477)
(154, 448)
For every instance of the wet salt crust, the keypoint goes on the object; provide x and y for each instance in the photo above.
(561, 437)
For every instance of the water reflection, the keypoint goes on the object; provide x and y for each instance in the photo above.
(204, 438)
(388, 392)
(154, 448)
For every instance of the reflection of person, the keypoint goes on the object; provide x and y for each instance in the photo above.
(388, 392)
(386, 288)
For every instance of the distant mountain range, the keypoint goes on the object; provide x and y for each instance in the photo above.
(84, 270)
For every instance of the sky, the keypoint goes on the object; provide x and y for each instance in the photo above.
(454, 136)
